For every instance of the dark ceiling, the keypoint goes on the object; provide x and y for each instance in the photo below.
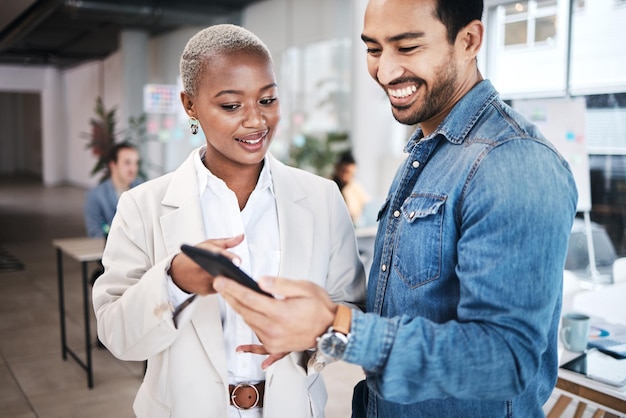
(64, 33)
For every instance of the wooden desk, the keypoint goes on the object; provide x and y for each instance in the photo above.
(606, 302)
(84, 250)
(592, 392)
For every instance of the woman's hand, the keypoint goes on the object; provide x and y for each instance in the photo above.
(192, 278)
(260, 349)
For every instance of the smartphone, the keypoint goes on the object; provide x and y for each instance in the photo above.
(218, 265)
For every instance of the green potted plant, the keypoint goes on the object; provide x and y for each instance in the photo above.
(103, 136)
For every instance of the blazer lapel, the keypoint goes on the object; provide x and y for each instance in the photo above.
(208, 325)
(295, 223)
(183, 224)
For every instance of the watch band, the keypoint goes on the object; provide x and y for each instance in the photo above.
(343, 319)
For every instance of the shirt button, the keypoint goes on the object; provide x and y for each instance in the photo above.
(411, 215)
(384, 267)
(396, 213)
(416, 164)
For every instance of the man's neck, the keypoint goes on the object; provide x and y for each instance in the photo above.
(120, 186)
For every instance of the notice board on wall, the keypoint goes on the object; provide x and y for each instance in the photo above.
(562, 121)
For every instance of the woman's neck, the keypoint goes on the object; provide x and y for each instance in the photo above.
(242, 181)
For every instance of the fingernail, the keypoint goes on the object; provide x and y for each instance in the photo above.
(267, 283)
(218, 284)
(237, 261)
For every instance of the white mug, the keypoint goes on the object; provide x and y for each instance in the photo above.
(575, 331)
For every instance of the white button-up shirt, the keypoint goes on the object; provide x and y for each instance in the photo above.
(259, 253)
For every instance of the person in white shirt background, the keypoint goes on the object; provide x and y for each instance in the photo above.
(352, 191)
(231, 196)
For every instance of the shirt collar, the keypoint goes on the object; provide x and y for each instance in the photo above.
(461, 118)
(205, 177)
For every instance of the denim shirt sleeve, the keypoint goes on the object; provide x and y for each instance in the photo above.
(507, 261)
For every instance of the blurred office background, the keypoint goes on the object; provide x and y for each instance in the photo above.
(560, 62)
(58, 56)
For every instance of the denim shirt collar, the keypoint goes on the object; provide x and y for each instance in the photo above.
(461, 118)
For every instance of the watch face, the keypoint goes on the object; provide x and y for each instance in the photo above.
(333, 345)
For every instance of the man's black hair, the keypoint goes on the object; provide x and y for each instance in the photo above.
(346, 158)
(116, 148)
(456, 14)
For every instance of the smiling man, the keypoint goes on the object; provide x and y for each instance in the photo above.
(464, 293)
(101, 201)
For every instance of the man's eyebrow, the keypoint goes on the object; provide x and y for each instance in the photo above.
(365, 38)
(395, 38)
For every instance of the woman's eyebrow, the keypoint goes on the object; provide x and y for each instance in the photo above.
(262, 89)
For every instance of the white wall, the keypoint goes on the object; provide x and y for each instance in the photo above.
(598, 54)
(83, 84)
(599, 50)
(520, 71)
(68, 98)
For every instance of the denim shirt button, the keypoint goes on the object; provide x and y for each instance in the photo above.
(416, 164)
(396, 213)
(384, 267)
(411, 215)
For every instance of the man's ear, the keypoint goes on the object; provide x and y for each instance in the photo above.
(188, 104)
(470, 38)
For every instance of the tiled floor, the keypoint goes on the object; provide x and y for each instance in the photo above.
(35, 382)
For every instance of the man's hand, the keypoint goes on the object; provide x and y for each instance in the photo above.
(292, 321)
(192, 278)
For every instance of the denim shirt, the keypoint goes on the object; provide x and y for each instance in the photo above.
(464, 294)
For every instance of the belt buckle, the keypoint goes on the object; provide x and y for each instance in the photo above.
(233, 396)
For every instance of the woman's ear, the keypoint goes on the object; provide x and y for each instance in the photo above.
(187, 104)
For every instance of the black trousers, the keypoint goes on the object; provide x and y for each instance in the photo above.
(359, 400)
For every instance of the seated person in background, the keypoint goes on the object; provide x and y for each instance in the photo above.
(353, 193)
(101, 201)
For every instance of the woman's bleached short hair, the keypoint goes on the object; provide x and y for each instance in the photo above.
(213, 41)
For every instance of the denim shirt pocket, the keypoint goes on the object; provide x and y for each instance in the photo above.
(418, 244)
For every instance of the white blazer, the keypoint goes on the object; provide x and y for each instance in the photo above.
(186, 375)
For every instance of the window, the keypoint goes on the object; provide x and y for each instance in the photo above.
(527, 47)
(608, 195)
(529, 22)
(315, 93)
(606, 142)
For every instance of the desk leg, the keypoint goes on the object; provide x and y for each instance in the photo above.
(559, 407)
(580, 410)
(61, 303)
(87, 310)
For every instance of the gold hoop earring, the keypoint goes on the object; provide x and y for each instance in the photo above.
(193, 125)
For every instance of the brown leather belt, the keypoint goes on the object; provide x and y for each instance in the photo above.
(246, 395)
